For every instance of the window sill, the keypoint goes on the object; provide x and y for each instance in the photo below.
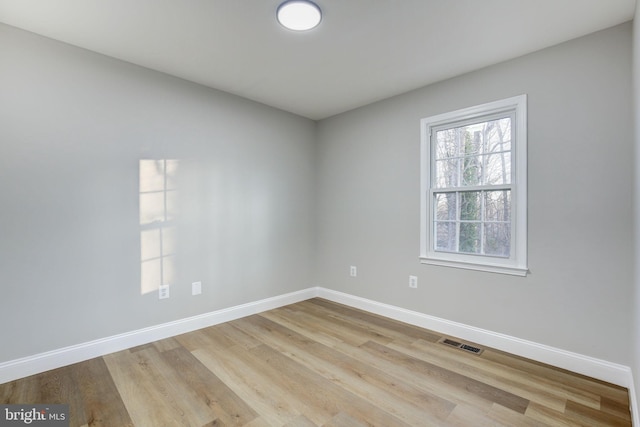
(490, 268)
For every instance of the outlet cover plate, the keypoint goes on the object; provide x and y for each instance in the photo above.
(163, 292)
(413, 281)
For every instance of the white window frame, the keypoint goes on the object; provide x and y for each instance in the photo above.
(516, 263)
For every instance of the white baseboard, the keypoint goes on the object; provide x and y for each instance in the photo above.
(633, 398)
(600, 369)
(42, 362)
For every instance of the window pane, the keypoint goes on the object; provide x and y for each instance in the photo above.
(447, 143)
(446, 206)
(445, 236)
(470, 206)
(498, 135)
(463, 154)
(497, 205)
(472, 170)
(497, 169)
(497, 239)
(473, 141)
(470, 237)
(447, 172)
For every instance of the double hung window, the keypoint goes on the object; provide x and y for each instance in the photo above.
(473, 204)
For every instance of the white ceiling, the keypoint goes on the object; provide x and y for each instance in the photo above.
(363, 51)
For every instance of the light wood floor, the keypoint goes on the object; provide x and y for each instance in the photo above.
(317, 363)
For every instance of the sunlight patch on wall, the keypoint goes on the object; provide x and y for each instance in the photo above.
(158, 204)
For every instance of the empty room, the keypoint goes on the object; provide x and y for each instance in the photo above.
(319, 213)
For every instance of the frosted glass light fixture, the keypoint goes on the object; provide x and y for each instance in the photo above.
(299, 15)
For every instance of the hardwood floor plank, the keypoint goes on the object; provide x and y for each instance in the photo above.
(301, 421)
(464, 416)
(549, 416)
(328, 329)
(352, 330)
(499, 376)
(54, 386)
(237, 336)
(592, 417)
(613, 407)
(141, 347)
(215, 423)
(227, 406)
(249, 384)
(306, 391)
(196, 340)
(485, 391)
(546, 379)
(359, 379)
(146, 394)
(384, 325)
(17, 391)
(296, 325)
(507, 417)
(342, 399)
(259, 422)
(560, 377)
(317, 363)
(167, 344)
(293, 346)
(320, 398)
(408, 376)
(101, 403)
(344, 420)
(58, 387)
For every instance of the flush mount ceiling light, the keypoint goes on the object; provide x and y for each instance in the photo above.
(299, 15)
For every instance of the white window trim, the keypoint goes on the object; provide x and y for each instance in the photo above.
(516, 264)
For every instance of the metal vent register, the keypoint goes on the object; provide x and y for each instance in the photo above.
(461, 346)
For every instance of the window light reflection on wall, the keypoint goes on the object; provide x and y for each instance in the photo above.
(158, 192)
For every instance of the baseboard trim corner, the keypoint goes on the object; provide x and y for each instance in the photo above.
(633, 400)
(30, 365)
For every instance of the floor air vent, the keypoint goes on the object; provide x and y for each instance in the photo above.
(461, 346)
(470, 348)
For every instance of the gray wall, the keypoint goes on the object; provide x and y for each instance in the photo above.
(74, 126)
(578, 294)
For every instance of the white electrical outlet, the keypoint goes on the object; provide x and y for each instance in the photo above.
(413, 281)
(163, 292)
(196, 288)
(353, 271)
